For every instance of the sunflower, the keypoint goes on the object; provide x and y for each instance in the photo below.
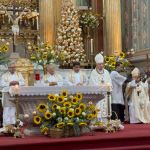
(44, 56)
(74, 100)
(51, 97)
(54, 106)
(44, 130)
(70, 123)
(90, 116)
(92, 107)
(82, 124)
(60, 125)
(60, 99)
(70, 113)
(37, 120)
(67, 104)
(107, 59)
(33, 57)
(48, 115)
(42, 107)
(64, 93)
(78, 111)
(122, 55)
(82, 106)
(95, 112)
(37, 49)
(4, 48)
(62, 110)
(79, 96)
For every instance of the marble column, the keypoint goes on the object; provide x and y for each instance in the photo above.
(112, 26)
(49, 18)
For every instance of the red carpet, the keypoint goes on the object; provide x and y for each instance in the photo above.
(133, 137)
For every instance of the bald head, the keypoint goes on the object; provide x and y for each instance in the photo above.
(51, 69)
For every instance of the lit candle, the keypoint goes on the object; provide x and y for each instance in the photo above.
(92, 46)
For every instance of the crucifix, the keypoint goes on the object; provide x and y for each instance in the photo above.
(15, 21)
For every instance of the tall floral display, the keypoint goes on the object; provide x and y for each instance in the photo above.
(69, 38)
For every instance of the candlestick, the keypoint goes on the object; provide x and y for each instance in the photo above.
(37, 22)
(92, 49)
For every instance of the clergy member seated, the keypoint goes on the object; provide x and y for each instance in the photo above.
(76, 77)
(139, 110)
(52, 78)
(10, 78)
(100, 76)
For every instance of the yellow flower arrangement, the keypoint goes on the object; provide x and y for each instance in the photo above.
(3, 53)
(37, 120)
(63, 112)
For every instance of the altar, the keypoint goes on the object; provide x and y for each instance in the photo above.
(30, 96)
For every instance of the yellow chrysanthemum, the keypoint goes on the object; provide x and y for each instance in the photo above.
(62, 110)
(64, 93)
(74, 100)
(107, 59)
(82, 106)
(78, 111)
(4, 48)
(79, 96)
(70, 123)
(60, 99)
(70, 113)
(122, 55)
(60, 125)
(82, 124)
(90, 116)
(44, 130)
(54, 106)
(48, 115)
(42, 107)
(37, 120)
(67, 104)
(51, 97)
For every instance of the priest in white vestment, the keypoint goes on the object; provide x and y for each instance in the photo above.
(76, 77)
(139, 105)
(117, 93)
(100, 76)
(10, 78)
(52, 78)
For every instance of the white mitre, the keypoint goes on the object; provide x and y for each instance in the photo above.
(99, 58)
(135, 72)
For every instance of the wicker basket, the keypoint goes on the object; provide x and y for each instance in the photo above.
(59, 133)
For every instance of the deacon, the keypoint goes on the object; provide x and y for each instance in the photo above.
(52, 78)
(76, 77)
(10, 78)
(139, 110)
(101, 76)
(117, 93)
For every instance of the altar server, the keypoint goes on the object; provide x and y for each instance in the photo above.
(139, 110)
(52, 78)
(76, 77)
(10, 78)
(101, 76)
(117, 93)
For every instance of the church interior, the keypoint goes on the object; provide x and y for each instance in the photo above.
(75, 74)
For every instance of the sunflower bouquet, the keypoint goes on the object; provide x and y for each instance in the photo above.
(3, 53)
(63, 112)
(110, 61)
